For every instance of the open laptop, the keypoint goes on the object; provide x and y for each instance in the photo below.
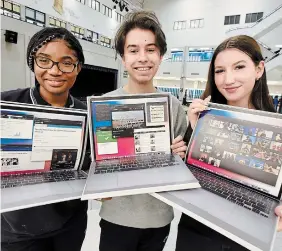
(130, 144)
(236, 154)
(42, 151)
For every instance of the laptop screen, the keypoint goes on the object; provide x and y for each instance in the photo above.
(244, 147)
(130, 125)
(38, 139)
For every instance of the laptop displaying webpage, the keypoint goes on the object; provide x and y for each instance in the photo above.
(130, 126)
(38, 140)
(244, 147)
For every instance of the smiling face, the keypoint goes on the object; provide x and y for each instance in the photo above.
(141, 56)
(235, 76)
(53, 81)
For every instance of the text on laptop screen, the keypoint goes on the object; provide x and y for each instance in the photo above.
(130, 126)
(244, 147)
(35, 141)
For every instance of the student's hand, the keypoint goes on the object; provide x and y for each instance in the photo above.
(278, 211)
(179, 147)
(197, 105)
(104, 199)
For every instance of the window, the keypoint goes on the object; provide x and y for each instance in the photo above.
(119, 17)
(107, 11)
(10, 9)
(232, 20)
(200, 55)
(77, 31)
(34, 16)
(105, 41)
(176, 56)
(179, 25)
(92, 36)
(253, 17)
(54, 22)
(81, 1)
(196, 23)
(94, 5)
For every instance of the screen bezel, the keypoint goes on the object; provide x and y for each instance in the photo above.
(240, 110)
(48, 109)
(92, 99)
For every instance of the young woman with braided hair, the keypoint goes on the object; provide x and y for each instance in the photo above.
(55, 56)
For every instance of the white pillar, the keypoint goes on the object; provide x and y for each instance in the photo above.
(183, 74)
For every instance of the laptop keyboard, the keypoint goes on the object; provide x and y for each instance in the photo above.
(42, 177)
(135, 163)
(235, 193)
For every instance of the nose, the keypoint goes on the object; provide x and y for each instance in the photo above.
(55, 70)
(229, 78)
(143, 57)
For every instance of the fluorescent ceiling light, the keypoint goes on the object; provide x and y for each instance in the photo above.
(278, 45)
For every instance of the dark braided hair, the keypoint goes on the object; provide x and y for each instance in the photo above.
(48, 34)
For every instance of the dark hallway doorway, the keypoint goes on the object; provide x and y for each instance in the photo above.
(94, 80)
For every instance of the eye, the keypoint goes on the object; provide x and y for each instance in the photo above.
(151, 50)
(238, 67)
(133, 51)
(219, 71)
(67, 63)
(43, 60)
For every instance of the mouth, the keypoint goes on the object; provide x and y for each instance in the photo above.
(55, 83)
(143, 69)
(232, 89)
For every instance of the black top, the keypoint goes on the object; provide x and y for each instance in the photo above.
(199, 232)
(43, 220)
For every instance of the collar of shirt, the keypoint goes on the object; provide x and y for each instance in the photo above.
(38, 100)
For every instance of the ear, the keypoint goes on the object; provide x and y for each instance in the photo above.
(260, 69)
(79, 66)
(123, 61)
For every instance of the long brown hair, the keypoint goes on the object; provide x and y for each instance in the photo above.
(260, 94)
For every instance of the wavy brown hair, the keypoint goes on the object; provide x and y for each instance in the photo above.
(145, 20)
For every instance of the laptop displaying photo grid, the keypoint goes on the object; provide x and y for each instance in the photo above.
(236, 154)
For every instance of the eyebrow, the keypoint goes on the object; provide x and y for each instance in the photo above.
(48, 56)
(134, 45)
(240, 61)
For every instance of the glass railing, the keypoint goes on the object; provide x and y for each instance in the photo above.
(258, 21)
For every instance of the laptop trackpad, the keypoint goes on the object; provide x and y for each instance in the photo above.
(34, 192)
(138, 177)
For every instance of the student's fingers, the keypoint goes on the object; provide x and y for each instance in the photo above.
(278, 211)
(198, 101)
(104, 199)
(182, 154)
(207, 100)
(198, 109)
(177, 145)
(180, 149)
(196, 106)
(177, 139)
